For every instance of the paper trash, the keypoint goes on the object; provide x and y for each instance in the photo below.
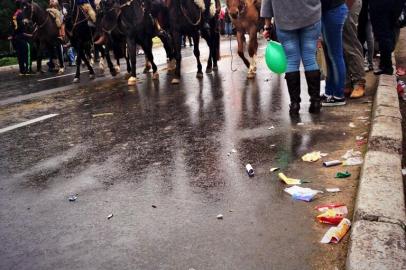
(289, 181)
(303, 194)
(335, 234)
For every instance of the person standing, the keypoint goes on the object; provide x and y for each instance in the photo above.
(298, 27)
(334, 13)
(353, 53)
(20, 41)
(384, 16)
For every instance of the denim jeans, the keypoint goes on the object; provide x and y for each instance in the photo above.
(300, 45)
(332, 29)
(228, 28)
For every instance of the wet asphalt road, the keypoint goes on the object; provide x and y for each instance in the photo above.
(160, 162)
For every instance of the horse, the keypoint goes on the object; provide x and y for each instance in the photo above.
(186, 19)
(244, 15)
(45, 34)
(153, 22)
(108, 35)
(80, 35)
(133, 18)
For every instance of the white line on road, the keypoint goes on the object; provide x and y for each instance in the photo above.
(60, 76)
(26, 123)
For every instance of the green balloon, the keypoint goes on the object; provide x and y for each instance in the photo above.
(275, 57)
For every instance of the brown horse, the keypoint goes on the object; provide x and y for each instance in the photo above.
(244, 15)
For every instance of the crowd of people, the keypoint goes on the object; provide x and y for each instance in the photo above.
(348, 29)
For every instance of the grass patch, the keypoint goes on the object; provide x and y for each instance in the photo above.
(8, 61)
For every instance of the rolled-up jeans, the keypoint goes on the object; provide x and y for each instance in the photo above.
(300, 45)
(332, 29)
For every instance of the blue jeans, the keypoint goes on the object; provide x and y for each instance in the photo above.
(228, 28)
(332, 29)
(300, 45)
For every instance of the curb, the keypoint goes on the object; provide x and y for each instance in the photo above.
(378, 239)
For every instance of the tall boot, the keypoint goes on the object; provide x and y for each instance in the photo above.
(293, 81)
(313, 85)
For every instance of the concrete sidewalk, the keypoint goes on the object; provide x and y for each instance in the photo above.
(378, 233)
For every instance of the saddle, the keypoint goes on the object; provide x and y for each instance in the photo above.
(56, 16)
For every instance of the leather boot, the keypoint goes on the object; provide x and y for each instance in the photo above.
(313, 85)
(293, 82)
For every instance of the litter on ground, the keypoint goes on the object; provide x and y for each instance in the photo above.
(303, 194)
(249, 170)
(289, 181)
(110, 216)
(343, 174)
(335, 234)
(354, 161)
(352, 125)
(404, 171)
(72, 198)
(102, 114)
(351, 153)
(274, 169)
(332, 213)
(271, 127)
(331, 163)
(333, 190)
(219, 216)
(312, 157)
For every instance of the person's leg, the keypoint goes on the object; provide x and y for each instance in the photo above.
(370, 44)
(19, 50)
(333, 23)
(290, 42)
(353, 52)
(308, 47)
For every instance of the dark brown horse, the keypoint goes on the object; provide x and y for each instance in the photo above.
(80, 36)
(46, 33)
(186, 18)
(245, 17)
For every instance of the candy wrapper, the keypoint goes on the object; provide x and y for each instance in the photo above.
(332, 213)
(335, 234)
(289, 181)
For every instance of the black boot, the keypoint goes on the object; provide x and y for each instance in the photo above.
(313, 85)
(293, 81)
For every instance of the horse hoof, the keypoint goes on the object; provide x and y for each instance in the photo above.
(175, 81)
(117, 68)
(92, 76)
(76, 80)
(199, 75)
(215, 68)
(251, 75)
(155, 76)
(209, 70)
(113, 72)
(61, 71)
(132, 81)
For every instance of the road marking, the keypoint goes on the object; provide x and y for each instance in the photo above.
(26, 123)
(60, 76)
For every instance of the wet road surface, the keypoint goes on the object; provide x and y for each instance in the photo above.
(157, 157)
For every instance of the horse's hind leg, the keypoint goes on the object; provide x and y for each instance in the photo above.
(241, 41)
(89, 67)
(176, 42)
(60, 58)
(166, 41)
(132, 51)
(148, 54)
(196, 52)
(252, 51)
(78, 63)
